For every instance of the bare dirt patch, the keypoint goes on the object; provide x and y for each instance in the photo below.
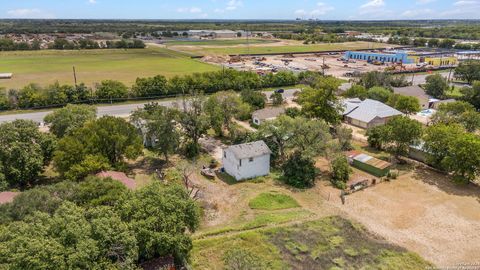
(423, 212)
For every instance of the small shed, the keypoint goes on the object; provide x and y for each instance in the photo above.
(369, 164)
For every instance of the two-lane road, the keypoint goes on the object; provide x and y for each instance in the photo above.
(123, 110)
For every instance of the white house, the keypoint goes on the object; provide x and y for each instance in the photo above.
(260, 116)
(247, 161)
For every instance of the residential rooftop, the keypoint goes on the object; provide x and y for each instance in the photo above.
(367, 110)
(249, 150)
(268, 113)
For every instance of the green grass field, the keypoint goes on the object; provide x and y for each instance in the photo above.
(205, 50)
(273, 201)
(328, 243)
(46, 67)
(220, 42)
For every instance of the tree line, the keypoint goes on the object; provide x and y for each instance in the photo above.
(312, 38)
(64, 44)
(450, 143)
(35, 96)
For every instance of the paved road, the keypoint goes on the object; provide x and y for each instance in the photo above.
(421, 79)
(114, 110)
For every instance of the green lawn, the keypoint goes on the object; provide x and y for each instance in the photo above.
(45, 67)
(220, 42)
(205, 50)
(273, 201)
(455, 93)
(328, 243)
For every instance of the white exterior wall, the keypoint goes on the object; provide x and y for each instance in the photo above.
(260, 166)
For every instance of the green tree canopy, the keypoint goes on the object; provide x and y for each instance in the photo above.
(71, 117)
(255, 99)
(468, 71)
(221, 108)
(321, 102)
(110, 89)
(356, 91)
(472, 94)
(299, 171)
(194, 122)
(24, 151)
(109, 137)
(436, 86)
(160, 217)
(340, 172)
(458, 112)
(405, 104)
(379, 93)
(277, 99)
(437, 139)
(397, 135)
(160, 125)
(147, 87)
(463, 159)
(108, 228)
(310, 137)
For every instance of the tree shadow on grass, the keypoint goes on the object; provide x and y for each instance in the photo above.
(446, 183)
(147, 165)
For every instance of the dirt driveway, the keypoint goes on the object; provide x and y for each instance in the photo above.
(423, 212)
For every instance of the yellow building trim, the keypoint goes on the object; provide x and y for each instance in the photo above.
(435, 61)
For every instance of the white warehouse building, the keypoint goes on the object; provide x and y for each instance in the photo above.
(247, 161)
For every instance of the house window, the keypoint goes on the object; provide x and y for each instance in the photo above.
(250, 159)
(240, 163)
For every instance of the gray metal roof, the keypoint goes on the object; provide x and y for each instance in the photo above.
(249, 150)
(268, 113)
(368, 110)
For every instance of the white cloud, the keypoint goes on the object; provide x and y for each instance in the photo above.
(30, 13)
(374, 9)
(320, 9)
(373, 4)
(463, 3)
(231, 6)
(234, 4)
(189, 10)
(462, 9)
(92, 2)
(417, 13)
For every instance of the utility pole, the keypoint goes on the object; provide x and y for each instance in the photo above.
(323, 66)
(75, 77)
(248, 41)
(413, 76)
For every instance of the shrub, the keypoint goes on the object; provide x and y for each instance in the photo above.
(340, 172)
(299, 171)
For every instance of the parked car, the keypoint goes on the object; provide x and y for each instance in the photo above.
(280, 91)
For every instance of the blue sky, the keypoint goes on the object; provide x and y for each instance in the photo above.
(242, 9)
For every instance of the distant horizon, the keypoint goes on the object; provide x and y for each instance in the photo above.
(233, 20)
(325, 10)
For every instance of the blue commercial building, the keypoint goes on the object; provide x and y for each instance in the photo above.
(395, 57)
